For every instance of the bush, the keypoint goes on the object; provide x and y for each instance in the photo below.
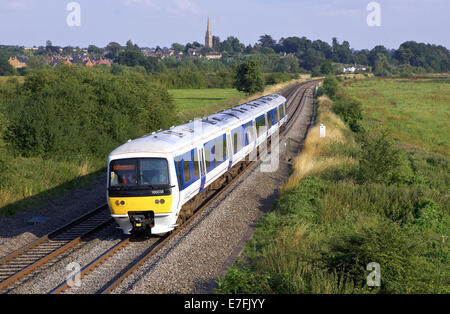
(385, 243)
(74, 112)
(350, 110)
(380, 161)
(330, 86)
(248, 78)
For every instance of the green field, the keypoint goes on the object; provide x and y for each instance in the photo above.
(194, 103)
(416, 111)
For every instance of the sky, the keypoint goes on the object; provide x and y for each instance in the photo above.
(151, 23)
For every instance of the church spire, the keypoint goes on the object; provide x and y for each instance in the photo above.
(208, 37)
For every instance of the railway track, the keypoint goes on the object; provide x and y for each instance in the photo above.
(22, 262)
(296, 93)
(19, 264)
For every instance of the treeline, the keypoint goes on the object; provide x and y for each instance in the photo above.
(316, 56)
(287, 55)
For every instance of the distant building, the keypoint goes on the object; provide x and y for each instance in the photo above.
(213, 55)
(354, 68)
(103, 61)
(18, 62)
(68, 61)
(87, 62)
(208, 37)
(194, 52)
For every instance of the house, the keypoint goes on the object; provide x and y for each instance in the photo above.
(194, 52)
(213, 55)
(354, 68)
(68, 61)
(18, 62)
(103, 61)
(349, 69)
(87, 62)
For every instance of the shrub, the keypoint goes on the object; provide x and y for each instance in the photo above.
(330, 86)
(380, 161)
(350, 110)
(380, 241)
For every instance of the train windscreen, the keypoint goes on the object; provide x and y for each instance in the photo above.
(139, 172)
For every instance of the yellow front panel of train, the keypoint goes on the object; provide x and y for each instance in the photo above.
(157, 204)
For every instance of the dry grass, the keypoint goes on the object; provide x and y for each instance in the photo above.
(309, 161)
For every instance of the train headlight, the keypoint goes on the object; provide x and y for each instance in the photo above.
(162, 201)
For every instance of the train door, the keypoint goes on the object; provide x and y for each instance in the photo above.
(229, 150)
(201, 156)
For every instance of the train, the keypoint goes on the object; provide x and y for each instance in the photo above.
(155, 182)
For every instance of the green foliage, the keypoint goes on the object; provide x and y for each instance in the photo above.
(350, 111)
(5, 67)
(381, 161)
(329, 87)
(278, 77)
(248, 78)
(72, 112)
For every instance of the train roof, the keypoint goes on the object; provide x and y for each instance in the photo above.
(177, 137)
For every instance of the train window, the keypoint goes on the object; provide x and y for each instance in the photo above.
(275, 113)
(139, 172)
(247, 131)
(215, 152)
(236, 136)
(153, 172)
(196, 164)
(186, 172)
(178, 168)
(270, 118)
(260, 125)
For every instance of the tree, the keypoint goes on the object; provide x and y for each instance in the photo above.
(177, 47)
(267, 41)
(248, 78)
(5, 67)
(382, 66)
(113, 50)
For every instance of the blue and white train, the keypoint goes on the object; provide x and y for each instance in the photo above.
(155, 182)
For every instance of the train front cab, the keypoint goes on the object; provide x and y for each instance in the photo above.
(141, 195)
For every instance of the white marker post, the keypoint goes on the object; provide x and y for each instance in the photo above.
(322, 130)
